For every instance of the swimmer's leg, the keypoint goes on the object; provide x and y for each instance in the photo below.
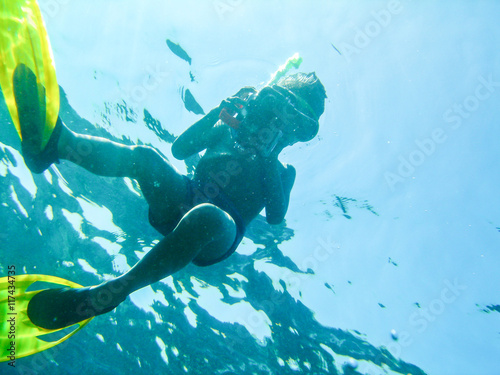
(163, 186)
(160, 182)
(205, 231)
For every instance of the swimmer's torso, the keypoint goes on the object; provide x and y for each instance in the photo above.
(234, 171)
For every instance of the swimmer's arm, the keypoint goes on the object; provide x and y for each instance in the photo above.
(203, 133)
(197, 137)
(278, 182)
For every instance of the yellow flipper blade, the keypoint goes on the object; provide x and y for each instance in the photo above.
(24, 40)
(19, 337)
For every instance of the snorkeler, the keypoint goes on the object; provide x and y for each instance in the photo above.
(202, 219)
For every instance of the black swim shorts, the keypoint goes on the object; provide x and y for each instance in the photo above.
(193, 199)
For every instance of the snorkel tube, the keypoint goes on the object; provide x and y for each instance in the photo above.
(292, 62)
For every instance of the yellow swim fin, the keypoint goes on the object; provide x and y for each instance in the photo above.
(24, 41)
(19, 337)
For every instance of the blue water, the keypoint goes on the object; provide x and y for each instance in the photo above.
(388, 260)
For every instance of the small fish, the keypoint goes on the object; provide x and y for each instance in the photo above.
(392, 262)
(178, 51)
(336, 49)
(191, 104)
(341, 204)
(492, 308)
(330, 287)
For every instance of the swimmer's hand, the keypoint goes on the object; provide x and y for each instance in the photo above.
(236, 102)
(232, 104)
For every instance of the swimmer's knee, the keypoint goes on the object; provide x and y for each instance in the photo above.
(145, 163)
(217, 229)
(209, 218)
(204, 233)
(206, 224)
(145, 154)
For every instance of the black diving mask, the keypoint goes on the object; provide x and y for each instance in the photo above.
(270, 115)
(282, 105)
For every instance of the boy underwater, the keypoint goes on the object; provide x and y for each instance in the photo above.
(203, 219)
